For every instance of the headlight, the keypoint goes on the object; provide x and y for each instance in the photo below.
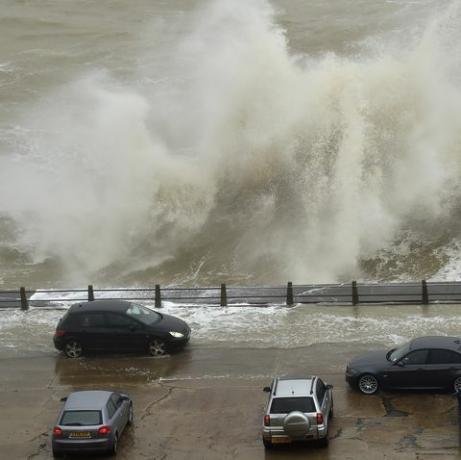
(350, 370)
(177, 335)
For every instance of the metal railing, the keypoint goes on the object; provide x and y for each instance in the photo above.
(353, 293)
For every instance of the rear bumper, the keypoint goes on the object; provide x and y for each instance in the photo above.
(58, 343)
(277, 436)
(77, 445)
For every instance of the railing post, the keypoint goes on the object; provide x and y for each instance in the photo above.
(90, 293)
(290, 300)
(158, 297)
(223, 295)
(425, 299)
(355, 293)
(24, 302)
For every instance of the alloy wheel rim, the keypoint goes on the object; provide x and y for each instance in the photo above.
(73, 349)
(457, 384)
(368, 384)
(157, 348)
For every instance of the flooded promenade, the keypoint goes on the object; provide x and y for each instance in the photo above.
(207, 401)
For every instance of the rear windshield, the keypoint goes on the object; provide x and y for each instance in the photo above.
(286, 405)
(81, 417)
(143, 314)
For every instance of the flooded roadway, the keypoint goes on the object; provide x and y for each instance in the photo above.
(206, 402)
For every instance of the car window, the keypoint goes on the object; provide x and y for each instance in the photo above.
(81, 417)
(398, 353)
(115, 320)
(444, 357)
(117, 400)
(110, 408)
(416, 357)
(320, 390)
(286, 405)
(143, 314)
(92, 320)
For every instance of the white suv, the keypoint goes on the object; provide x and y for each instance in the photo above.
(299, 409)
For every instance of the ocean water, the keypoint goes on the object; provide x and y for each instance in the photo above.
(244, 141)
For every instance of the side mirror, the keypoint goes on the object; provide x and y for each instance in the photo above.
(328, 386)
(124, 398)
(267, 389)
(400, 363)
(64, 399)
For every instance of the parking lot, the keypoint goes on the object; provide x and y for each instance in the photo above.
(207, 403)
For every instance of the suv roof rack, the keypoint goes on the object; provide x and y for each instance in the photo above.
(276, 380)
(312, 384)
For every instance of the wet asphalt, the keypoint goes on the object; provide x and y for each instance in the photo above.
(206, 402)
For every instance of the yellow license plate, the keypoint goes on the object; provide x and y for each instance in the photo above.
(80, 434)
(281, 440)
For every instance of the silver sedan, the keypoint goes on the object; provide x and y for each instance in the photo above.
(91, 421)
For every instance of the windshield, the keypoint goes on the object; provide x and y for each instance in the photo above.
(143, 314)
(399, 353)
(81, 418)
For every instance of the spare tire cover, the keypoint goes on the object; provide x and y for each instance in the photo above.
(296, 425)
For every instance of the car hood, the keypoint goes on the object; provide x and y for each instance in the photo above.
(171, 323)
(374, 358)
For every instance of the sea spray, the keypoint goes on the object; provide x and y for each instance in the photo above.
(237, 159)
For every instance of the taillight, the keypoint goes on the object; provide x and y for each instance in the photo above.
(57, 431)
(59, 333)
(267, 420)
(104, 430)
(319, 418)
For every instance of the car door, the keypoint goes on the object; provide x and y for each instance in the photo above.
(408, 371)
(126, 334)
(116, 407)
(442, 368)
(324, 399)
(94, 334)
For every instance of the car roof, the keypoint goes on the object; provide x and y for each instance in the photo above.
(87, 400)
(451, 343)
(289, 387)
(100, 305)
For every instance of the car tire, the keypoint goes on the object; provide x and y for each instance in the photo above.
(57, 454)
(114, 448)
(130, 415)
(267, 444)
(156, 347)
(457, 384)
(368, 384)
(324, 441)
(73, 349)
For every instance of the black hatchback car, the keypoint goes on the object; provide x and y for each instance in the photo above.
(118, 325)
(423, 363)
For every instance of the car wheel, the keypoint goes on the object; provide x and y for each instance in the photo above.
(156, 347)
(73, 349)
(267, 444)
(130, 415)
(324, 441)
(57, 454)
(368, 384)
(114, 448)
(457, 384)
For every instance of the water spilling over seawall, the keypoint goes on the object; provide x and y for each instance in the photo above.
(227, 156)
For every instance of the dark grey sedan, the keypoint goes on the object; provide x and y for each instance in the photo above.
(91, 421)
(423, 363)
